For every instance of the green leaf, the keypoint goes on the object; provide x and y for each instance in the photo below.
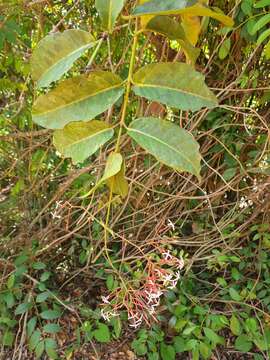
(45, 276)
(118, 183)
(153, 356)
(117, 326)
(229, 173)
(139, 347)
(80, 140)
(52, 328)
(42, 297)
(167, 352)
(213, 337)
(251, 325)
(179, 344)
(242, 343)
(169, 143)
(235, 325)
(172, 29)
(56, 53)
(34, 339)
(110, 282)
(261, 342)
(205, 350)
(21, 260)
(50, 314)
(267, 50)
(174, 84)
(39, 349)
(263, 36)
(8, 338)
(109, 11)
(31, 326)
(261, 4)
(50, 346)
(260, 23)
(224, 49)
(235, 295)
(77, 99)
(9, 299)
(161, 7)
(22, 308)
(38, 266)
(246, 7)
(11, 281)
(102, 334)
(180, 7)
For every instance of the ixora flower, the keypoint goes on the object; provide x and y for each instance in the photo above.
(108, 315)
(141, 304)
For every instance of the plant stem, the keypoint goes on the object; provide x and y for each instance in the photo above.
(128, 88)
(90, 62)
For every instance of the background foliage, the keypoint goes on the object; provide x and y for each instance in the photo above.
(56, 266)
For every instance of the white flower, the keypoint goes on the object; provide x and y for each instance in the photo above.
(107, 315)
(170, 224)
(167, 278)
(167, 255)
(58, 204)
(55, 216)
(105, 299)
(137, 320)
(180, 264)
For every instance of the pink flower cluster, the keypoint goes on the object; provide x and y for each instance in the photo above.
(141, 304)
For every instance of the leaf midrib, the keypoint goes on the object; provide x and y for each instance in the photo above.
(80, 100)
(62, 58)
(88, 137)
(165, 144)
(175, 89)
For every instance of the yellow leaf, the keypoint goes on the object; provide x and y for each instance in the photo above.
(118, 183)
(145, 19)
(173, 30)
(195, 10)
(192, 27)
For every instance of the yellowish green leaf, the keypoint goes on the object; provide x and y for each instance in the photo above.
(77, 99)
(145, 19)
(263, 36)
(264, 20)
(56, 53)
(118, 183)
(113, 166)
(267, 50)
(169, 143)
(174, 84)
(235, 326)
(109, 11)
(224, 49)
(79, 140)
(180, 7)
(192, 27)
(172, 29)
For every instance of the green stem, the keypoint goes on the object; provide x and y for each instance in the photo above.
(128, 88)
(90, 62)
